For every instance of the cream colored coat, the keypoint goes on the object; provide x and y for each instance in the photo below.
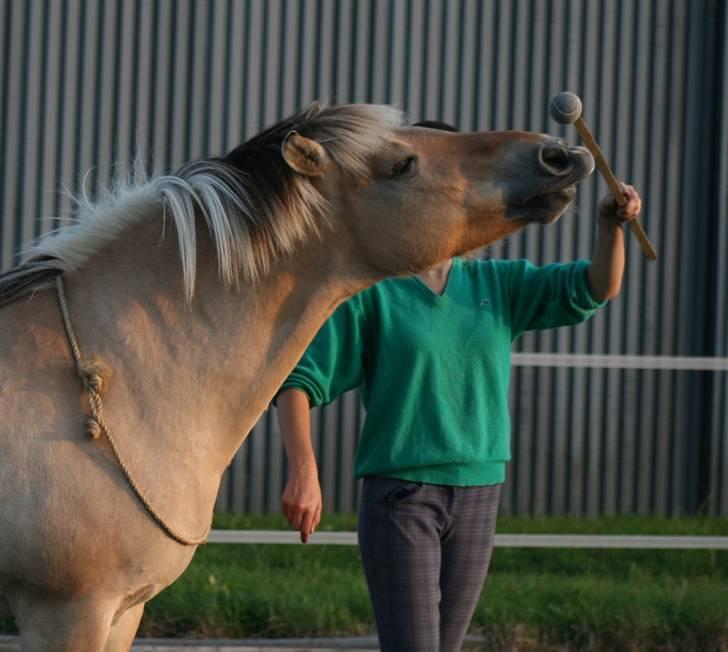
(79, 555)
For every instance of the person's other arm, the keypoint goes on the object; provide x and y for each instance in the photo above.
(607, 262)
(330, 366)
(301, 500)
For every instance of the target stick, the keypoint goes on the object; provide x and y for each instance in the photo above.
(566, 109)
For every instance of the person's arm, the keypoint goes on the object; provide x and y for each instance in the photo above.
(607, 263)
(332, 365)
(564, 294)
(301, 500)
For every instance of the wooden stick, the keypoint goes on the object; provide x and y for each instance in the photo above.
(614, 186)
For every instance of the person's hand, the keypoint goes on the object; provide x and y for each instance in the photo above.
(609, 211)
(302, 502)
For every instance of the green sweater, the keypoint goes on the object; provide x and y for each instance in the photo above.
(434, 370)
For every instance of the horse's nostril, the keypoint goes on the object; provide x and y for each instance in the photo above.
(555, 160)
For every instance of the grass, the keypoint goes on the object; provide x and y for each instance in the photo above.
(535, 598)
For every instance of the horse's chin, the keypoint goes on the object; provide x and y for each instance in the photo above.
(547, 208)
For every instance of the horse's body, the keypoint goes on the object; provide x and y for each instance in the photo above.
(191, 373)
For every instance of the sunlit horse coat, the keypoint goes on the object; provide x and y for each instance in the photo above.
(195, 294)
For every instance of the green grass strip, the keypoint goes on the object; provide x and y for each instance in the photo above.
(573, 599)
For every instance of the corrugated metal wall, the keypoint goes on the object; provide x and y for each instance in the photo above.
(717, 472)
(86, 84)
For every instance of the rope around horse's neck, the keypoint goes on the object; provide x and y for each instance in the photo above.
(92, 381)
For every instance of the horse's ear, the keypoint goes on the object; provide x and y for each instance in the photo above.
(304, 155)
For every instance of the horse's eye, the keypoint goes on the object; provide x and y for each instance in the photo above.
(406, 167)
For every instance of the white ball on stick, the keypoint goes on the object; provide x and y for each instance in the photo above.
(565, 108)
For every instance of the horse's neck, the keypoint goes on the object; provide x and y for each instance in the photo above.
(260, 333)
(198, 375)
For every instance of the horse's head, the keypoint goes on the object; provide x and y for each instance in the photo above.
(430, 194)
(385, 199)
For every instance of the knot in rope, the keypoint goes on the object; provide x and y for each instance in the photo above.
(93, 374)
(93, 428)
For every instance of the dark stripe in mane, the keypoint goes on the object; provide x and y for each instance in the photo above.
(26, 278)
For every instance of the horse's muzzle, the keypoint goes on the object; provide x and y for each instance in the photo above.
(557, 159)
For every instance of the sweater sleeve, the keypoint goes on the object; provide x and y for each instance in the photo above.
(549, 296)
(333, 362)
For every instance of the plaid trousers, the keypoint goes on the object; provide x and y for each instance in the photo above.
(425, 550)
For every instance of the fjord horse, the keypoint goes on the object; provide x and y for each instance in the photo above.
(188, 299)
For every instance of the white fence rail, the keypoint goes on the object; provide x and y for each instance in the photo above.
(501, 540)
(611, 361)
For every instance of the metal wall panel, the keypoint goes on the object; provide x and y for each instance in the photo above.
(87, 84)
(718, 454)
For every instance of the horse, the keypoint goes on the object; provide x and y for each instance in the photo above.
(143, 340)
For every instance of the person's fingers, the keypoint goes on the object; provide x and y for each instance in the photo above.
(634, 203)
(295, 519)
(301, 504)
(317, 519)
(632, 209)
(306, 528)
(314, 520)
(286, 511)
(309, 522)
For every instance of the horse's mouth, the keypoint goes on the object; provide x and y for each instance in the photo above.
(548, 207)
(551, 192)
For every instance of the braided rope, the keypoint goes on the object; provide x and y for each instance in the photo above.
(91, 374)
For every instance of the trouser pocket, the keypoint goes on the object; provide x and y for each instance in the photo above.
(388, 491)
(401, 493)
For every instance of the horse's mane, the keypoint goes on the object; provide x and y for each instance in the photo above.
(255, 206)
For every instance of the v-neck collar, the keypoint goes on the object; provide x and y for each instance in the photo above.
(428, 291)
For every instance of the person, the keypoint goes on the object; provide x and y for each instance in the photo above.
(431, 356)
